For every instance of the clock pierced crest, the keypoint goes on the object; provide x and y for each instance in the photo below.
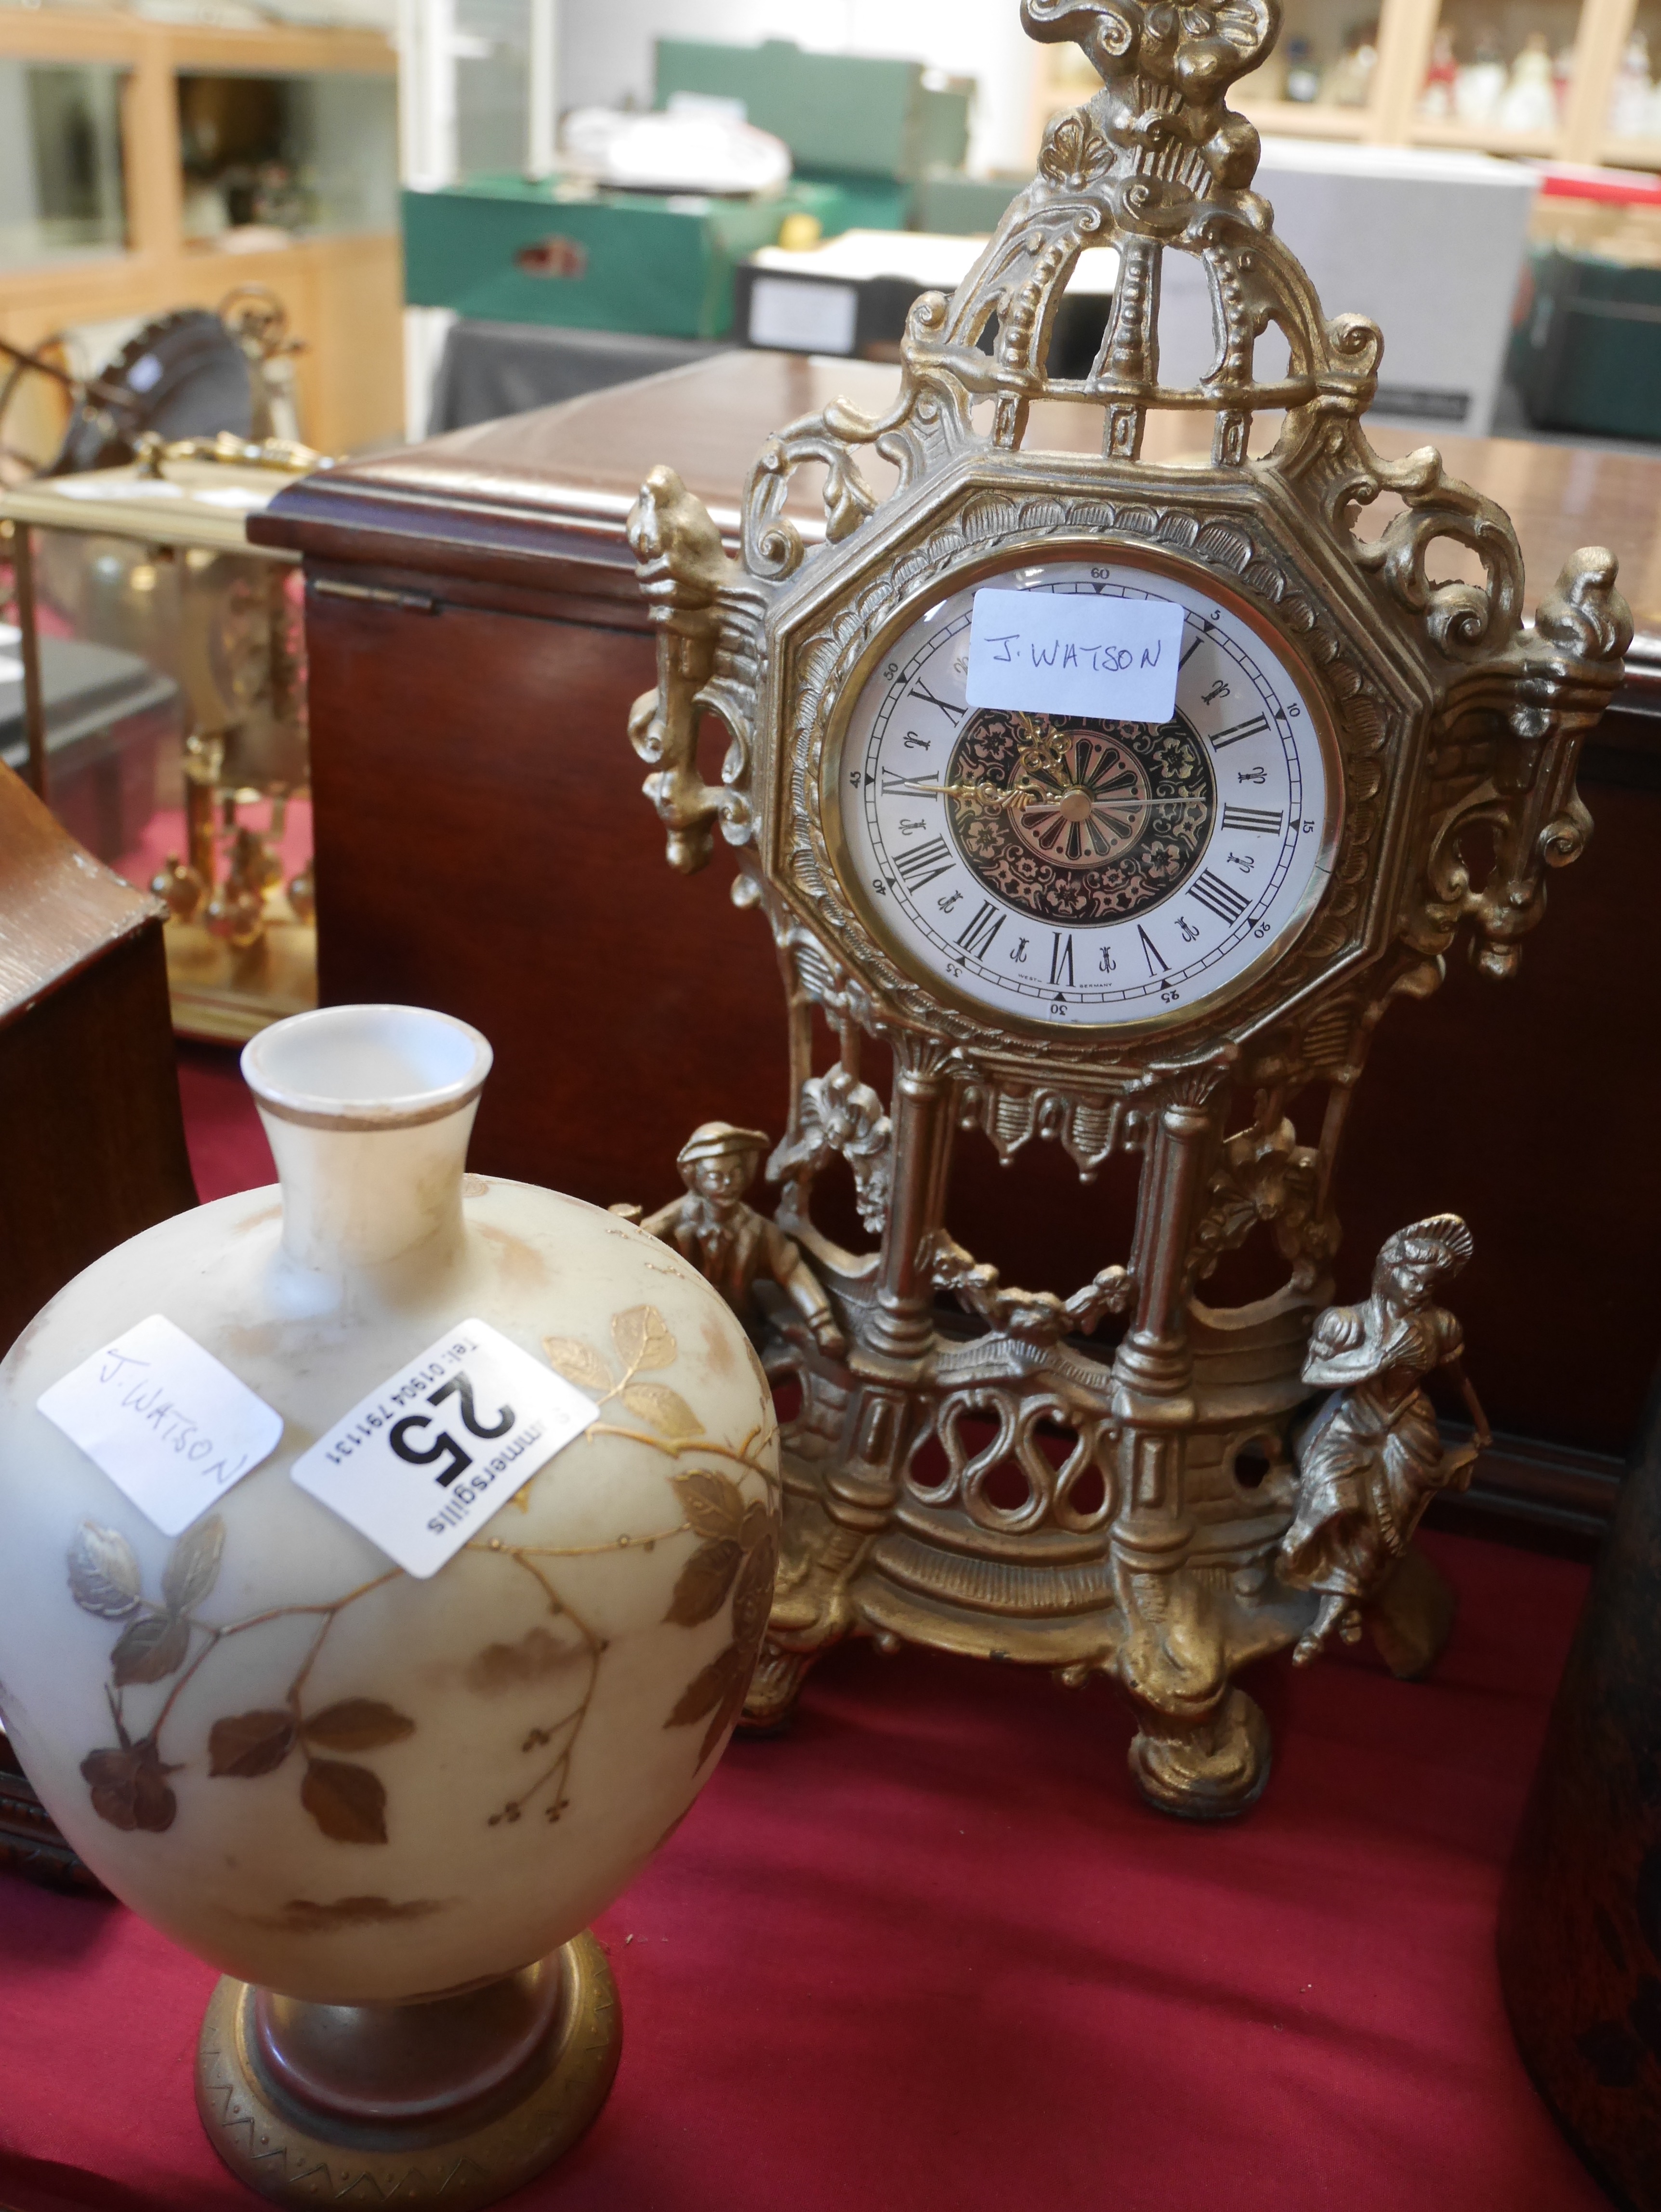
(1151, 939)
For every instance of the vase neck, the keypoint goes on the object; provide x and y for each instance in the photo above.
(356, 1201)
(369, 1110)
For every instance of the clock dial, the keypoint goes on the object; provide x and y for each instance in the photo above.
(1061, 870)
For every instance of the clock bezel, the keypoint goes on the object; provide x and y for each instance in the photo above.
(1079, 549)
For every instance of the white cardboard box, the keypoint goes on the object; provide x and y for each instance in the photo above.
(1429, 245)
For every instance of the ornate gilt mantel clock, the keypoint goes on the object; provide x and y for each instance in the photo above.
(1169, 940)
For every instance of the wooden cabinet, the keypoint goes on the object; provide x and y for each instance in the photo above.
(476, 640)
(1380, 75)
(344, 291)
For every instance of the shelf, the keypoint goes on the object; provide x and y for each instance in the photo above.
(1473, 138)
(1292, 118)
(91, 35)
(1632, 153)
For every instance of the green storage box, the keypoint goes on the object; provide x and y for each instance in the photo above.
(955, 206)
(504, 249)
(1587, 352)
(841, 115)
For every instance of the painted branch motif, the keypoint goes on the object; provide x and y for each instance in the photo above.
(166, 1639)
(739, 1539)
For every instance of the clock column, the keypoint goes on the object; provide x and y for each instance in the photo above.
(1202, 1748)
(901, 1326)
(887, 1369)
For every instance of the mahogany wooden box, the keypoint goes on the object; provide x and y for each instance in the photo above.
(476, 642)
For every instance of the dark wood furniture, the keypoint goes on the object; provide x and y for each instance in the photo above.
(476, 642)
(92, 1140)
(1579, 1933)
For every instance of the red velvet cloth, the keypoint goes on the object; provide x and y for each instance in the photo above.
(928, 1952)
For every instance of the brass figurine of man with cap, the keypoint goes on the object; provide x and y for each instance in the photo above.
(731, 1245)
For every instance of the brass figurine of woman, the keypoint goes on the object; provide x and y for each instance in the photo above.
(1374, 1459)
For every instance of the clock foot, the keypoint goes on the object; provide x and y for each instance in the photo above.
(774, 1689)
(1209, 1770)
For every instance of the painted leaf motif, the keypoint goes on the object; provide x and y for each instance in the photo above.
(707, 1693)
(129, 1788)
(752, 1601)
(704, 1582)
(250, 1744)
(758, 1527)
(349, 1803)
(357, 1724)
(731, 1706)
(578, 1364)
(537, 1656)
(642, 1335)
(104, 1576)
(150, 1650)
(193, 1565)
(713, 1503)
(663, 1409)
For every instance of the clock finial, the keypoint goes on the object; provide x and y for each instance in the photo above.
(1167, 69)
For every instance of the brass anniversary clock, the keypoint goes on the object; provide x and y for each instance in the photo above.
(1119, 800)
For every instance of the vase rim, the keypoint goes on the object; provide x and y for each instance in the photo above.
(366, 1068)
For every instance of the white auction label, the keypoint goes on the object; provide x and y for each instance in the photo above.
(424, 1461)
(1055, 652)
(169, 1424)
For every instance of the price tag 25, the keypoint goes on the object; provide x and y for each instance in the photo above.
(422, 1464)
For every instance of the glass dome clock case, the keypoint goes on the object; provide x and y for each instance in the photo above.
(1117, 801)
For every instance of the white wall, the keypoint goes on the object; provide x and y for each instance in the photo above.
(606, 49)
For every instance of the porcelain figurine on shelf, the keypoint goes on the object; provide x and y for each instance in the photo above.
(1303, 78)
(1631, 107)
(377, 1703)
(1481, 84)
(1349, 83)
(1441, 79)
(1530, 106)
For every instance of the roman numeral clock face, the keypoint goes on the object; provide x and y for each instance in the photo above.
(1057, 861)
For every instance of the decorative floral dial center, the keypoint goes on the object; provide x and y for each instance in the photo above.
(1088, 807)
(1076, 821)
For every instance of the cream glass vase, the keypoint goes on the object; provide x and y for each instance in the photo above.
(387, 1808)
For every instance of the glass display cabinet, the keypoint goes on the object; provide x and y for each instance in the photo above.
(150, 164)
(312, 157)
(152, 690)
(1501, 74)
(62, 191)
(1631, 120)
(1326, 60)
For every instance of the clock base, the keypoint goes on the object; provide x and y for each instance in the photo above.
(1173, 1637)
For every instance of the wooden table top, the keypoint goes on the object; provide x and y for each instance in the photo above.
(578, 467)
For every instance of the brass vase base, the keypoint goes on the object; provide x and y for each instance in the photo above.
(456, 2100)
